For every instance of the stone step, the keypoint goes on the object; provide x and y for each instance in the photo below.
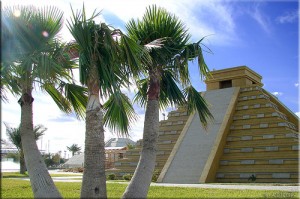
(262, 137)
(259, 180)
(177, 127)
(172, 122)
(257, 120)
(263, 124)
(258, 175)
(285, 148)
(175, 118)
(262, 130)
(162, 138)
(168, 133)
(247, 141)
(260, 162)
(260, 115)
(252, 97)
(257, 105)
(251, 89)
(259, 168)
(259, 155)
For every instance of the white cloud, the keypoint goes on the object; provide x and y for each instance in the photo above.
(277, 94)
(296, 84)
(261, 19)
(201, 17)
(288, 17)
(206, 18)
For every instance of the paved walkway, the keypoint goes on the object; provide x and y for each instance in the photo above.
(78, 178)
(232, 186)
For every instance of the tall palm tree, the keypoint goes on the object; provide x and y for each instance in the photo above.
(160, 87)
(34, 58)
(104, 53)
(74, 148)
(14, 136)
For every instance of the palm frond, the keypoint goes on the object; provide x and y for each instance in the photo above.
(39, 131)
(195, 102)
(32, 29)
(58, 98)
(77, 96)
(159, 25)
(9, 80)
(170, 93)
(119, 113)
(141, 95)
(81, 29)
(14, 135)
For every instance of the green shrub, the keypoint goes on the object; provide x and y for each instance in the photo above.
(111, 176)
(155, 176)
(127, 177)
(252, 178)
(14, 156)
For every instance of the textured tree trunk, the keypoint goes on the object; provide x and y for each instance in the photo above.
(94, 179)
(140, 182)
(22, 163)
(41, 183)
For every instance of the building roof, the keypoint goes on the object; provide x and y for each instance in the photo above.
(119, 142)
(76, 160)
(111, 144)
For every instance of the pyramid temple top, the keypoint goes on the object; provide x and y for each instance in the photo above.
(240, 76)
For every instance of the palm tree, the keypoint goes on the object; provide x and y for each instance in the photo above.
(14, 136)
(74, 148)
(34, 58)
(103, 53)
(160, 88)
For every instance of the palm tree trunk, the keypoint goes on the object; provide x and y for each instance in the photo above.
(22, 163)
(140, 182)
(41, 183)
(94, 179)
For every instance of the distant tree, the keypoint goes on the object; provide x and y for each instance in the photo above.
(3, 141)
(56, 158)
(14, 156)
(14, 136)
(74, 148)
(48, 160)
(130, 146)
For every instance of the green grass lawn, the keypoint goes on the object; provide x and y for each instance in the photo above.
(18, 175)
(16, 188)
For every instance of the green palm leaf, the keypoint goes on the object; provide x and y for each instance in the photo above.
(119, 113)
(14, 134)
(196, 102)
(172, 59)
(116, 57)
(58, 98)
(77, 96)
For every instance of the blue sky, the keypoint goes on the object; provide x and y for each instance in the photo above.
(262, 35)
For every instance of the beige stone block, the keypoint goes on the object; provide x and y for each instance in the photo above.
(248, 162)
(281, 175)
(276, 161)
(260, 115)
(263, 125)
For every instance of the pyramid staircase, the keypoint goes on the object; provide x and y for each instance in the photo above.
(169, 131)
(262, 143)
(259, 141)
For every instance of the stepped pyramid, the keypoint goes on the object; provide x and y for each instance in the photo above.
(253, 136)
